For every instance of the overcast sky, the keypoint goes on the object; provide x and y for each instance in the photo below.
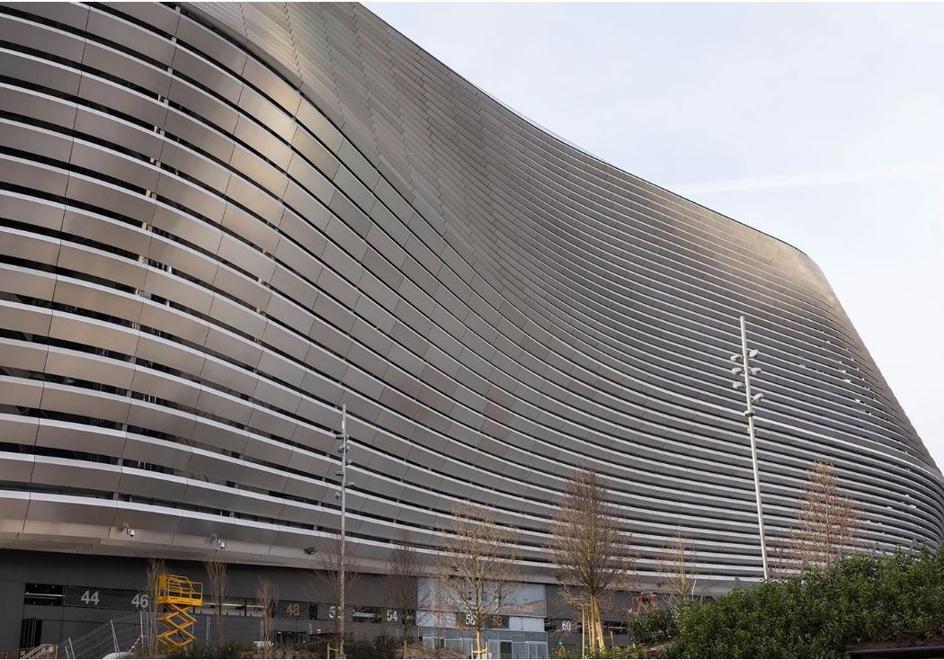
(820, 124)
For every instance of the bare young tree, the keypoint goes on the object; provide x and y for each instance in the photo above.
(678, 570)
(327, 580)
(592, 554)
(430, 598)
(155, 568)
(478, 573)
(403, 569)
(826, 524)
(216, 590)
(266, 597)
(779, 557)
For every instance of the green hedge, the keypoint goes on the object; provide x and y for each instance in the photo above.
(654, 626)
(381, 647)
(820, 615)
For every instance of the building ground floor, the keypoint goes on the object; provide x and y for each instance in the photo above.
(60, 598)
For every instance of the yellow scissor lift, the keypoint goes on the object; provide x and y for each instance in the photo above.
(179, 596)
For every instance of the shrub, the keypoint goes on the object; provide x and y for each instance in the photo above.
(229, 650)
(821, 614)
(608, 652)
(654, 626)
(382, 647)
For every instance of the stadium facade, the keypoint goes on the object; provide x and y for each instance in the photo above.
(219, 223)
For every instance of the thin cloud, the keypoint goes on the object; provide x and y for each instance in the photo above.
(808, 179)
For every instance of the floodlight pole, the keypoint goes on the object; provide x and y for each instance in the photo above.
(342, 557)
(749, 413)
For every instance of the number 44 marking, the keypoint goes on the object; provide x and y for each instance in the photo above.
(90, 597)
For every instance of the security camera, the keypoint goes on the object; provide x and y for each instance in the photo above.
(129, 530)
(310, 550)
(222, 544)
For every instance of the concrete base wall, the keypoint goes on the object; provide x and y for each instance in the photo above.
(66, 596)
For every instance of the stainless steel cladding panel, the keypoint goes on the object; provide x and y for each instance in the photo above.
(221, 223)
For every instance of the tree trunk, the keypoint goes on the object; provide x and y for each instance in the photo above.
(583, 632)
(598, 643)
(478, 643)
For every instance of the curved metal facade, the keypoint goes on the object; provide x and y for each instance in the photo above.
(221, 222)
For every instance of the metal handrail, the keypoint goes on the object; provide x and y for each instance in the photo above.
(178, 590)
(44, 651)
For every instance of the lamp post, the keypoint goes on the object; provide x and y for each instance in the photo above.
(746, 370)
(343, 449)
